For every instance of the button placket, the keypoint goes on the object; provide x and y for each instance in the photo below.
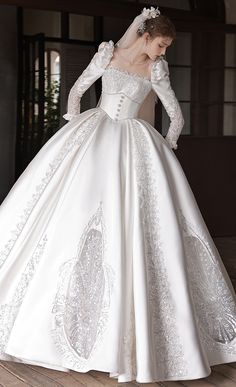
(119, 107)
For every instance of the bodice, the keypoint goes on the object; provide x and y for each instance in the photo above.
(123, 93)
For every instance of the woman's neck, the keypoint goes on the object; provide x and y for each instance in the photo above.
(134, 54)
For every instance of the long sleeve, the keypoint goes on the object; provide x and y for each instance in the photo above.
(92, 72)
(162, 87)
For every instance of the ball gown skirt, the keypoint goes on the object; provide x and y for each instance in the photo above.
(106, 261)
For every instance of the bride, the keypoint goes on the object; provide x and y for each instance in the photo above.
(106, 262)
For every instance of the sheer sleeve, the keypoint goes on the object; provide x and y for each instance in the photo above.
(162, 87)
(92, 72)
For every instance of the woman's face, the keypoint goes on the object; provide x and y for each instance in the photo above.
(157, 46)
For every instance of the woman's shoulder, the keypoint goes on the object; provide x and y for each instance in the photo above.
(106, 45)
(105, 52)
(159, 68)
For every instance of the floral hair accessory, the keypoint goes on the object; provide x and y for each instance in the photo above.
(148, 13)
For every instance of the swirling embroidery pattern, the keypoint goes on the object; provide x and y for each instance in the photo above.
(214, 303)
(170, 356)
(82, 303)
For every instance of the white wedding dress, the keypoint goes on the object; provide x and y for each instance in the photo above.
(106, 262)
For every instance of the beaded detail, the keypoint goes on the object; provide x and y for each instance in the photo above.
(9, 311)
(82, 303)
(126, 72)
(213, 300)
(118, 81)
(78, 136)
(166, 340)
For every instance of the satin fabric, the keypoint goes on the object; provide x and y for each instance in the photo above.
(128, 108)
(159, 87)
(106, 261)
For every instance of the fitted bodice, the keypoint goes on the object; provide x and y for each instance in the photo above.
(123, 93)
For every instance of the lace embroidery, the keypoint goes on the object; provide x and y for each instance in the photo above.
(93, 71)
(214, 303)
(8, 312)
(129, 347)
(114, 81)
(82, 303)
(77, 138)
(162, 87)
(128, 352)
(169, 353)
(126, 72)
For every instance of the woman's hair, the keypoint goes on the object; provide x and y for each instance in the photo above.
(158, 26)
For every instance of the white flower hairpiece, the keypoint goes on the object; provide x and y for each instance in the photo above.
(148, 13)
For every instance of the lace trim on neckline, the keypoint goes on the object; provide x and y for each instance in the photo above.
(134, 75)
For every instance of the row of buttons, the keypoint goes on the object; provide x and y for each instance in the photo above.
(118, 109)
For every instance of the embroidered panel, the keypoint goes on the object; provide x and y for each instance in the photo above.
(82, 303)
(213, 300)
(8, 312)
(166, 340)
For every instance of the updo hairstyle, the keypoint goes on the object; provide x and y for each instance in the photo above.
(158, 26)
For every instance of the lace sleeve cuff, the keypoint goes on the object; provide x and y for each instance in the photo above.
(69, 117)
(161, 85)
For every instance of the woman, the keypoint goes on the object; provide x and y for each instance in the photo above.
(106, 262)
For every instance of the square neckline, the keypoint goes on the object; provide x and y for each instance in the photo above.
(127, 72)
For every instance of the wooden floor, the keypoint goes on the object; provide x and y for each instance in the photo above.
(22, 375)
